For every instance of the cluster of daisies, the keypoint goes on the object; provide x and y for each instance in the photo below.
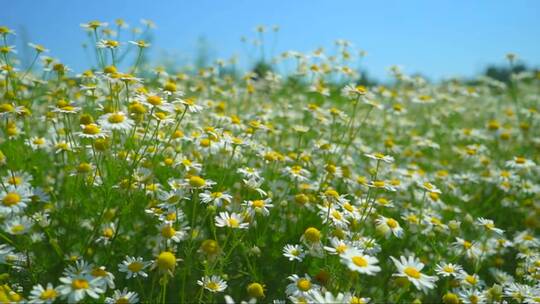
(126, 183)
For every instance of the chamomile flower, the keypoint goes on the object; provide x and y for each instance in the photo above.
(380, 157)
(116, 121)
(213, 284)
(362, 263)
(429, 187)
(106, 279)
(471, 296)
(338, 246)
(294, 252)
(14, 199)
(448, 269)
(387, 226)
(125, 297)
(171, 234)
(216, 198)
(37, 143)
(326, 298)
(300, 286)
(76, 288)
(134, 267)
(232, 220)
(43, 295)
(17, 225)
(410, 268)
(469, 280)
(471, 249)
(259, 206)
(92, 131)
(489, 226)
(519, 162)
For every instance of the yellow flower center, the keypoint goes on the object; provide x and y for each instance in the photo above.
(213, 285)
(48, 294)
(348, 207)
(412, 272)
(210, 247)
(520, 160)
(154, 100)
(255, 290)
(471, 280)
(15, 180)
(197, 181)
(6, 107)
(11, 199)
(166, 260)
(359, 261)
(379, 184)
(116, 118)
(258, 203)
(341, 248)
(99, 272)
(357, 300)
(233, 222)
(336, 215)
(216, 194)
(108, 232)
(80, 284)
(122, 300)
(392, 223)
(91, 129)
(17, 228)
(135, 266)
(171, 216)
(331, 193)
(448, 268)
(303, 284)
(312, 234)
(38, 141)
(379, 155)
(168, 232)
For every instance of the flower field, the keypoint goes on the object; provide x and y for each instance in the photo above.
(126, 183)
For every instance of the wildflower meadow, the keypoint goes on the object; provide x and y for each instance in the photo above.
(294, 182)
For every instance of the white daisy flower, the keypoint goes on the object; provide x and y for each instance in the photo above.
(134, 266)
(411, 268)
(448, 269)
(76, 288)
(43, 295)
(259, 206)
(338, 246)
(300, 286)
(357, 261)
(213, 284)
(14, 199)
(116, 121)
(233, 220)
(294, 252)
(519, 162)
(92, 131)
(125, 297)
(18, 225)
(380, 157)
(215, 198)
(489, 225)
(388, 226)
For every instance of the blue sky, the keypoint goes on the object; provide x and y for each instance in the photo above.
(437, 38)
